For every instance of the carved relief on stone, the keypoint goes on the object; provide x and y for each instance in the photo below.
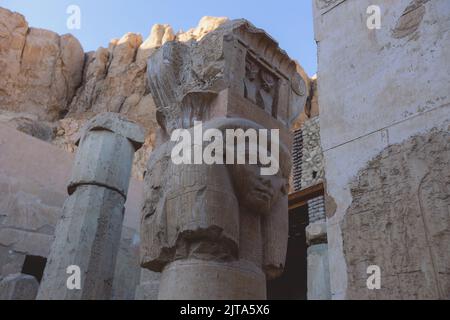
(236, 57)
(260, 86)
(326, 5)
(250, 81)
(201, 219)
(194, 211)
(399, 219)
(410, 20)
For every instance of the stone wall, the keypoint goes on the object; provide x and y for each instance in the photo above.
(384, 99)
(316, 210)
(312, 155)
(33, 181)
(307, 155)
(401, 202)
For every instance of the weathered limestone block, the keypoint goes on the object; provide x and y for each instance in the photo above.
(204, 280)
(312, 159)
(374, 215)
(11, 262)
(25, 241)
(89, 232)
(105, 158)
(127, 270)
(87, 236)
(219, 231)
(399, 220)
(316, 233)
(148, 288)
(18, 287)
(318, 272)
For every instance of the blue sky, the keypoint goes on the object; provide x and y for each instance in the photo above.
(288, 21)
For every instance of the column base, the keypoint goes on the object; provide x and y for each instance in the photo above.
(210, 280)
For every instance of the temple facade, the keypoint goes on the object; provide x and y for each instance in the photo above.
(359, 205)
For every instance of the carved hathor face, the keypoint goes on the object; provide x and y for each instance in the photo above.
(251, 70)
(257, 192)
(268, 81)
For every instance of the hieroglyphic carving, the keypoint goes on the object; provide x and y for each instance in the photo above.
(399, 220)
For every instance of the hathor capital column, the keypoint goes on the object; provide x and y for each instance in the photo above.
(88, 234)
(218, 231)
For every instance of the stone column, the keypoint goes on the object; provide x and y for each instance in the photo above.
(18, 287)
(218, 231)
(89, 231)
(148, 287)
(317, 254)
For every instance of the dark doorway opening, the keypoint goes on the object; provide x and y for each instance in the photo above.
(292, 285)
(34, 266)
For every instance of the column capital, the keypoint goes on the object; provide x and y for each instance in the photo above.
(114, 122)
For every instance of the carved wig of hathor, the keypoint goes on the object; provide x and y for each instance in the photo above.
(219, 231)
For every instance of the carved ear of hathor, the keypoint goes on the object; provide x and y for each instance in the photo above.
(218, 231)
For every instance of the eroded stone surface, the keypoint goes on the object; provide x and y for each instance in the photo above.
(18, 287)
(399, 220)
(148, 288)
(365, 107)
(89, 232)
(410, 20)
(105, 157)
(87, 236)
(316, 233)
(318, 272)
(127, 269)
(39, 70)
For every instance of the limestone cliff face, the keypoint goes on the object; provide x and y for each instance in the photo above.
(39, 73)
(39, 70)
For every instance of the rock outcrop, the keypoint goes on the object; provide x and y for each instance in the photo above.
(39, 70)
